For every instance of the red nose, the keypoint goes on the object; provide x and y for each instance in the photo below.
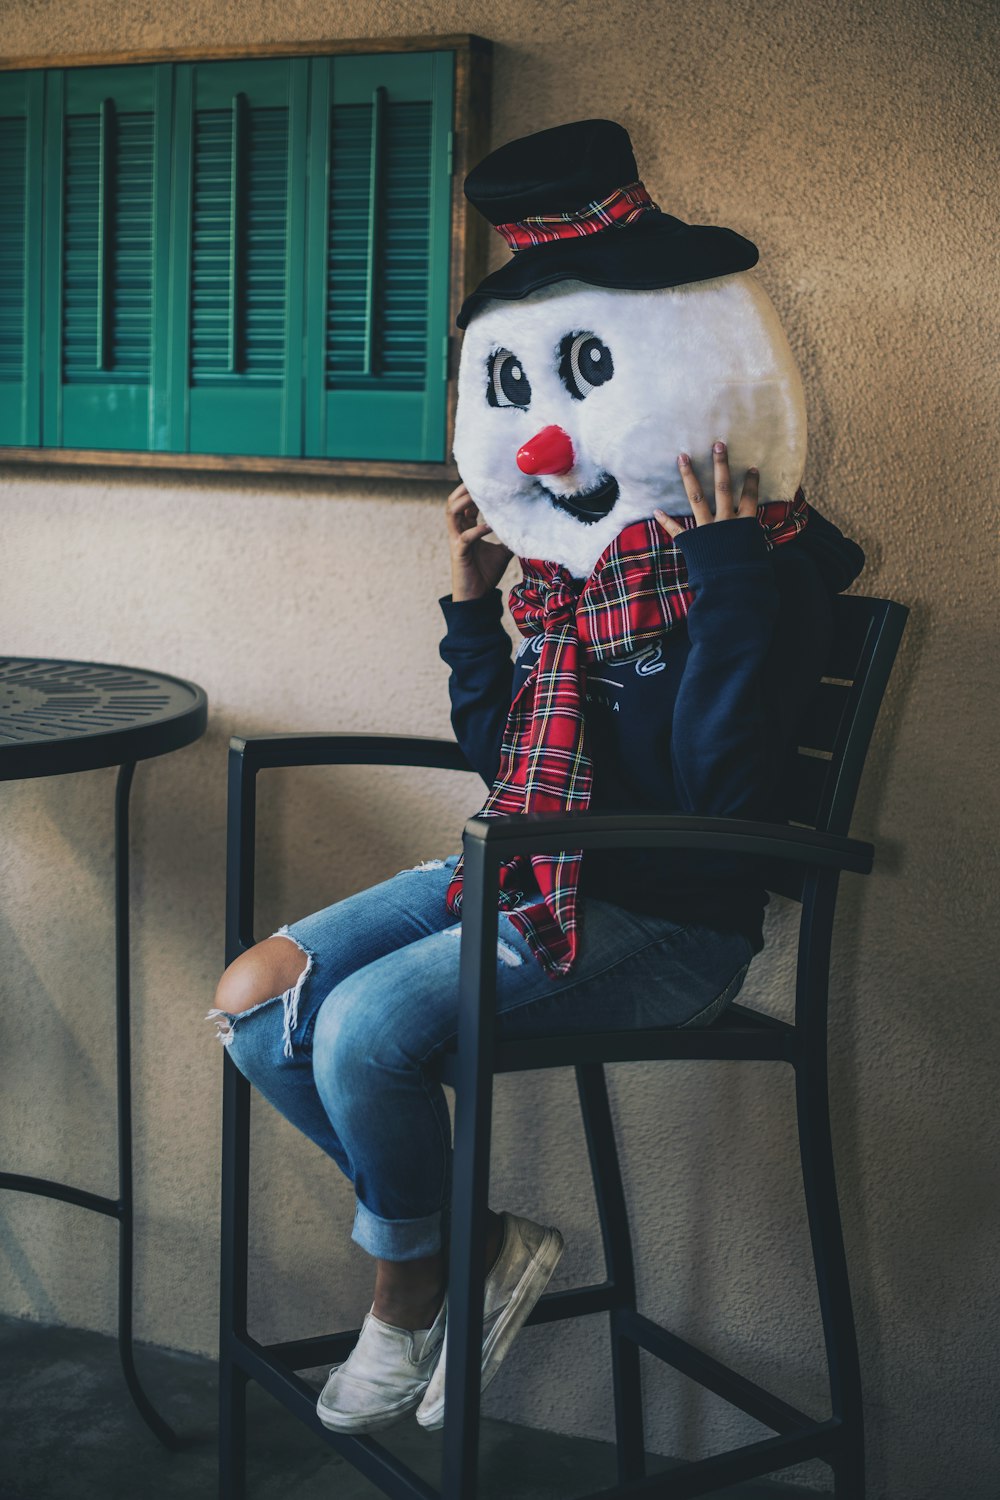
(550, 451)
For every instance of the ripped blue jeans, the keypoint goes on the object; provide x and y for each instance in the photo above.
(347, 1054)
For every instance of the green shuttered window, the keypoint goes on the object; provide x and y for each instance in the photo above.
(248, 256)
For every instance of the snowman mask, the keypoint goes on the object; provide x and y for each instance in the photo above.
(632, 378)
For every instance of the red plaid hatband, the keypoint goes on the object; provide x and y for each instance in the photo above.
(622, 206)
(637, 592)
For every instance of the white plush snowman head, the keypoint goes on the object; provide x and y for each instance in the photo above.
(632, 378)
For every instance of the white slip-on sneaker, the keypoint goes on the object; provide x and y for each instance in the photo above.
(384, 1376)
(528, 1256)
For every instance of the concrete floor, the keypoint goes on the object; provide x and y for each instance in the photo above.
(69, 1432)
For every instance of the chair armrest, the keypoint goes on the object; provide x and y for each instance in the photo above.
(545, 833)
(260, 752)
(488, 841)
(250, 754)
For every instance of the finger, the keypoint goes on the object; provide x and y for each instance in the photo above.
(748, 499)
(474, 534)
(458, 500)
(669, 525)
(460, 508)
(457, 523)
(724, 510)
(700, 507)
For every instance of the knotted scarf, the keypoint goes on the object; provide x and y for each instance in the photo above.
(637, 592)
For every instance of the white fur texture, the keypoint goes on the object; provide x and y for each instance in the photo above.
(691, 364)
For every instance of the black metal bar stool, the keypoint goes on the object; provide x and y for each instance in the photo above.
(806, 855)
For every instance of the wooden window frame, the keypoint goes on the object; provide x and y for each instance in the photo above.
(468, 255)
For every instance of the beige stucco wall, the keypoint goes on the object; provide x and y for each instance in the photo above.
(854, 143)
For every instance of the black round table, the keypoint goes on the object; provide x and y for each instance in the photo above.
(61, 716)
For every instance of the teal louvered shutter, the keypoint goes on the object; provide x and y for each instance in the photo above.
(104, 270)
(21, 106)
(378, 256)
(245, 257)
(236, 383)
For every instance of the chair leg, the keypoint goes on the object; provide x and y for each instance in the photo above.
(233, 1279)
(613, 1215)
(467, 1254)
(820, 1185)
(232, 1430)
(849, 1474)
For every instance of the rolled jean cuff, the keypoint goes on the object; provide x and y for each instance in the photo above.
(396, 1239)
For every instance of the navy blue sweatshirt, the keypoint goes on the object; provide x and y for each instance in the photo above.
(699, 722)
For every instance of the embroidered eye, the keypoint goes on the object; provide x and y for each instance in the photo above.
(506, 382)
(584, 363)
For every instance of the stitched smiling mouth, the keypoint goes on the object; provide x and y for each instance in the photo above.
(587, 506)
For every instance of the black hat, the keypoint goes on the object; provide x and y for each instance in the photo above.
(569, 203)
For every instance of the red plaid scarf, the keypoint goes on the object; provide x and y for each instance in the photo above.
(637, 592)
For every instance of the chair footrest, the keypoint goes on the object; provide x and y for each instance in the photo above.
(709, 1372)
(388, 1473)
(576, 1302)
(331, 1348)
(400, 1482)
(708, 1475)
(396, 1479)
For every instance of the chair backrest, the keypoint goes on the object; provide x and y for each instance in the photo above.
(825, 767)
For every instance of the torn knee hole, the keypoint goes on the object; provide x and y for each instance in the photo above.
(290, 998)
(223, 1024)
(226, 1020)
